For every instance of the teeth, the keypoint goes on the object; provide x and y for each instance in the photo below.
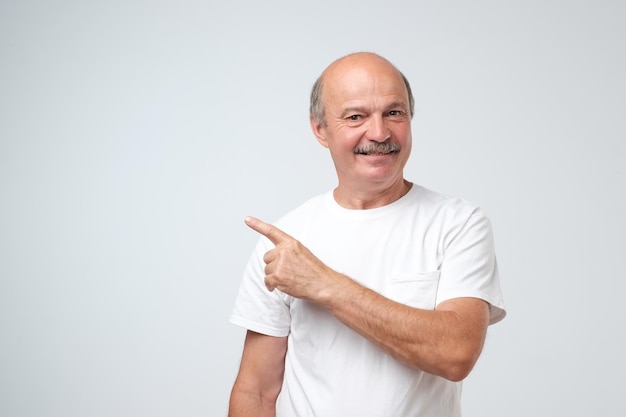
(381, 149)
(374, 152)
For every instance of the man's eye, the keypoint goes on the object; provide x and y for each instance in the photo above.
(395, 113)
(354, 117)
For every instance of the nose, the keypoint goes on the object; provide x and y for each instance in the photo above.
(377, 129)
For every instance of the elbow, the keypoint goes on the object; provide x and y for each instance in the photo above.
(460, 357)
(457, 372)
(453, 365)
(459, 365)
(453, 369)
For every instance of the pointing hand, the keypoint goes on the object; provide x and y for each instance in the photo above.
(290, 266)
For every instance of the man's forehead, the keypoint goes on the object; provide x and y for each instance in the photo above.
(365, 91)
(373, 76)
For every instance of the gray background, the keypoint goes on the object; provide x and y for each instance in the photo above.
(136, 135)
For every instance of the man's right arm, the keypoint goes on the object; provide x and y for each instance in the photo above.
(260, 376)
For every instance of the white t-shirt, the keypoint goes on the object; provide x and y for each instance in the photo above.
(420, 250)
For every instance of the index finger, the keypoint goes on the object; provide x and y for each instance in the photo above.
(269, 231)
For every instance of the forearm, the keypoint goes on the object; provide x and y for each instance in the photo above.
(444, 342)
(260, 376)
(247, 404)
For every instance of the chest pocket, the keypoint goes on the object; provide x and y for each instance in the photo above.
(415, 289)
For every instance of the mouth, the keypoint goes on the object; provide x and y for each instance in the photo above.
(378, 149)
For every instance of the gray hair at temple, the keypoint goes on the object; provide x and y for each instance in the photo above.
(316, 108)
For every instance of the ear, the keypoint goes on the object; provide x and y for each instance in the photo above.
(319, 131)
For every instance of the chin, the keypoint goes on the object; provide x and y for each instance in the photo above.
(383, 177)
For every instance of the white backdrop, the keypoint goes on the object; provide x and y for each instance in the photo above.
(136, 135)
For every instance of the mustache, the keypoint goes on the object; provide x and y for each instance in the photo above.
(377, 149)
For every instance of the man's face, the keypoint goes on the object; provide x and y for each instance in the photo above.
(368, 129)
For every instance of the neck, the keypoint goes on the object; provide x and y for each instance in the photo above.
(368, 198)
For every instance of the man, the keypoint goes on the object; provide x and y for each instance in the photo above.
(372, 300)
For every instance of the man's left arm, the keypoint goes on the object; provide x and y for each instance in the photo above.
(446, 341)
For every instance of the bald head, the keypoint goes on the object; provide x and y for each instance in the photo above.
(339, 71)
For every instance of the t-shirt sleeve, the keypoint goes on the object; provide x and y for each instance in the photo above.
(256, 308)
(469, 267)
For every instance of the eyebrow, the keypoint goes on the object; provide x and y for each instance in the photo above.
(363, 109)
(350, 110)
(398, 104)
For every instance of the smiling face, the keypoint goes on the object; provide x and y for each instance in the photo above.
(367, 122)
